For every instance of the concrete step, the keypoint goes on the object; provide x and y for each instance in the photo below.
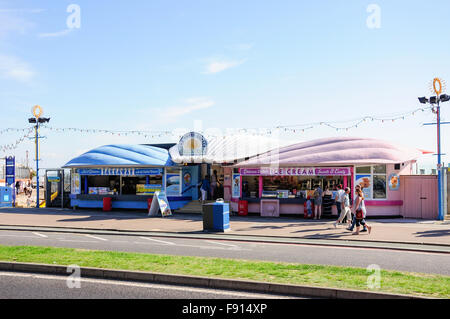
(193, 207)
(447, 217)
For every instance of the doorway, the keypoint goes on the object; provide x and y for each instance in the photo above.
(420, 196)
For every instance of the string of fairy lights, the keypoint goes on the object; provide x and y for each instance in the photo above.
(14, 145)
(297, 128)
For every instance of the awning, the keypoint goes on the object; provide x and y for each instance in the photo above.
(336, 151)
(122, 155)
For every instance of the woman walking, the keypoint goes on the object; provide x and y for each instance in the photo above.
(360, 212)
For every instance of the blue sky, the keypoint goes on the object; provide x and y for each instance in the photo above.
(162, 65)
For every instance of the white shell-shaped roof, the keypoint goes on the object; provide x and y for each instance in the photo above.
(336, 151)
(228, 148)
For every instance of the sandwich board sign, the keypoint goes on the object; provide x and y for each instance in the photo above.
(160, 203)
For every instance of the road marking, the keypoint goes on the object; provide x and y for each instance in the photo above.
(18, 236)
(78, 241)
(218, 243)
(40, 235)
(158, 241)
(137, 284)
(95, 237)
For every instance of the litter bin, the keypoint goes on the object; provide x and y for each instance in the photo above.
(243, 208)
(107, 204)
(6, 197)
(216, 216)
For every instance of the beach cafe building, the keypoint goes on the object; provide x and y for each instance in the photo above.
(129, 175)
(280, 181)
(255, 174)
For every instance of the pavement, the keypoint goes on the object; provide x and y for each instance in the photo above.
(385, 231)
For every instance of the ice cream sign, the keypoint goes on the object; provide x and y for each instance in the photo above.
(296, 171)
(394, 182)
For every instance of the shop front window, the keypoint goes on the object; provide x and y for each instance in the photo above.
(372, 180)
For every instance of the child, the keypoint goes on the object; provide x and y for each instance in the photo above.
(308, 207)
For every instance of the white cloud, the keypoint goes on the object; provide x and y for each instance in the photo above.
(15, 69)
(55, 34)
(190, 105)
(221, 65)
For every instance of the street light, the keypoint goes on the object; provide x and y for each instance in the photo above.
(37, 119)
(435, 100)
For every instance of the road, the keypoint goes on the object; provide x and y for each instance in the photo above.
(36, 286)
(421, 262)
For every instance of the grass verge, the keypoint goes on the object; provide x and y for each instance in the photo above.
(435, 286)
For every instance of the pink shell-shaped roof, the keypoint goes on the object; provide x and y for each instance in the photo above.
(336, 151)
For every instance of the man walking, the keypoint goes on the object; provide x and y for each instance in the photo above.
(346, 208)
(339, 199)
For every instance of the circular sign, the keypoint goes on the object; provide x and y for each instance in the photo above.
(193, 144)
(437, 81)
(37, 111)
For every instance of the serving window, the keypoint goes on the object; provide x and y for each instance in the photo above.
(250, 186)
(300, 183)
(100, 185)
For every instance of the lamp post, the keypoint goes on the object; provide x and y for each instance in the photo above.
(435, 101)
(37, 119)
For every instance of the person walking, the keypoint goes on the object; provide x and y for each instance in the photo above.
(357, 188)
(338, 199)
(318, 194)
(17, 187)
(346, 211)
(360, 212)
(204, 188)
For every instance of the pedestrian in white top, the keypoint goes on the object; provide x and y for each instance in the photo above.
(346, 208)
(339, 197)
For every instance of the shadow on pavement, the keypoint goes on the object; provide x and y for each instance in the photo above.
(434, 233)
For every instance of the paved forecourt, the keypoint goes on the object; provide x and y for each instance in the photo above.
(384, 230)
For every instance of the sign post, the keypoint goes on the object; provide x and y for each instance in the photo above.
(10, 175)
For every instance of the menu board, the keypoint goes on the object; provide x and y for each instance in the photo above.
(99, 191)
(147, 189)
(160, 203)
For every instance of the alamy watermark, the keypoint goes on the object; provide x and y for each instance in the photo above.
(74, 19)
(74, 279)
(374, 279)
(374, 19)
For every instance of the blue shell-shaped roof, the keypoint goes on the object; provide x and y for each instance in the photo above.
(123, 155)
